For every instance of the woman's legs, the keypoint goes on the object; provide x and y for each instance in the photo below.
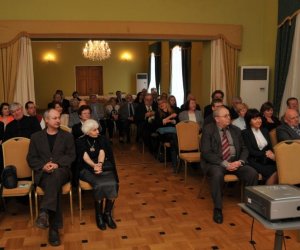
(109, 204)
(99, 215)
(273, 179)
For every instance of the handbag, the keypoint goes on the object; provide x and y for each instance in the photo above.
(9, 177)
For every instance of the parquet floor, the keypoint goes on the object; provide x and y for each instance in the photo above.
(154, 211)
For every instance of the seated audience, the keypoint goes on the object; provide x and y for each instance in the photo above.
(233, 110)
(98, 112)
(173, 104)
(73, 117)
(126, 117)
(289, 129)
(217, 94)
(240, 121)
(75, 95)
(1, 139)
(190, 113)
(5, 115)
(268, 119)
(119, 99)
(144, 116)
(84, 113)
(139, 98)
(292, 103)
(64, 118)
(166, 119)
(190, 97)
(112, 114)
(215, 103)
(59, 97)
(31, 111)
(154, 94)
(164, 96)
(21, 126)
(97, 166)
(50, 155)
(257, 140)
(223, 152)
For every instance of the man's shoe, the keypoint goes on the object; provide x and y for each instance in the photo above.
(218, 216)
(54, 239)
(42, 221)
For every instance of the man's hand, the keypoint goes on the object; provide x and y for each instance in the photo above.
(233, 166)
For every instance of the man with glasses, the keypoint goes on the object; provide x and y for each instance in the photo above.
(289, 129)
(21, 126)
(223, 152)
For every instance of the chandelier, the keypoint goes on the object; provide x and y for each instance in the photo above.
(96, 50)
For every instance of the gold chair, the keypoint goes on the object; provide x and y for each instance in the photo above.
(287, 160)
(82, 186)
(14, 153)
(273, 137)
(66, 189)
(188, 143)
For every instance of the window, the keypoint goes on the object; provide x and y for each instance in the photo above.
(176, 75)
(152, 73)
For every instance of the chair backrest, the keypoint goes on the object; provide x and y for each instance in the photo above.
(188, 136)
(287, 160)
(273, 137)
(15, 151)
(66, 128)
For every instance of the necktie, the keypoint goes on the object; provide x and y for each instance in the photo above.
(225, 146)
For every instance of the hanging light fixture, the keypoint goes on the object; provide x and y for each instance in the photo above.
(96, 50)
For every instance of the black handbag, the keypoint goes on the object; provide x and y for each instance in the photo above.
(9, 177)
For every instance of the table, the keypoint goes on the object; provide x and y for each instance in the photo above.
(278, 226)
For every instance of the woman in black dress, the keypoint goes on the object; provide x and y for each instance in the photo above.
(96, 160)
(257, 140)
(269, 120)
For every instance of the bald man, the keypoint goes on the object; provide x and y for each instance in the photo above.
(223, 152)
(289, 129)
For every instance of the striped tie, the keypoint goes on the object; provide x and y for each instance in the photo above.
(225, 146)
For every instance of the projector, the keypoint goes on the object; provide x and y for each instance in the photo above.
(274, 202)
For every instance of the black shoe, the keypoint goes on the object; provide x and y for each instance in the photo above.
(109, 221)
(100, 222)
(42, 221)
(54, 239)
(218, 216)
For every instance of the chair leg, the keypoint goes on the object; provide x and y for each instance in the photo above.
(165, 156)
(71, 206)
(36, 204)
(185, 172)
(242, 191)
(80, 204)
(30, 206)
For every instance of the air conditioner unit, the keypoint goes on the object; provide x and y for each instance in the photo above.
(141, 81)
(254, 85)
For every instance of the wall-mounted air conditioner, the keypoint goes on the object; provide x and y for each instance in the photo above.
(254, 85)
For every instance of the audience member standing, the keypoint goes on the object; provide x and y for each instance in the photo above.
(223, 152)
(289, 129)
(21, 126)
(97, 166)
(257, 140)
(51, 153)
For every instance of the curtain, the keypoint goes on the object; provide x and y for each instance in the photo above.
(218, 76)
(292, 86)
(9, 58)
(25, 80)
(285, 36)
(230, 59)
(156, 49)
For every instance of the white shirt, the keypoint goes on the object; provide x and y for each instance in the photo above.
(192, 117)
(260, 139)
(239, 122)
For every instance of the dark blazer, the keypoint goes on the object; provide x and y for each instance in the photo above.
(255, 154)
(39, 152)
(76, 130)
(124, 110)
(1, 131)
(269, 126)
(211, 146)
(285, 132)
(141, 111)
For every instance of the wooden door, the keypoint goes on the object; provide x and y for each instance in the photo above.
(89, 80)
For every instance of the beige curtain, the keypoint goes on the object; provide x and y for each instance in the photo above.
(230, 60)
(9, 58)
(218, 78)
(24, 90)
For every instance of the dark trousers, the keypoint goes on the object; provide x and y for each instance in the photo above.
(52, 186)
(111, 126)
(246, 174)
(125, 128)
(103, 127)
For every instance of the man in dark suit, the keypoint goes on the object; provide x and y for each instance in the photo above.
(51, 153)
(289, 129)
(126, 117)
(223, 152)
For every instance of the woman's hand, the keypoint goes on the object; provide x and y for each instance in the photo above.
(270, 155)
(98, 168)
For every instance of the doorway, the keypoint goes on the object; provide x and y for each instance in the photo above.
(89, 80)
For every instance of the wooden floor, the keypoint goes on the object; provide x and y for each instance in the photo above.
(154, 211)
